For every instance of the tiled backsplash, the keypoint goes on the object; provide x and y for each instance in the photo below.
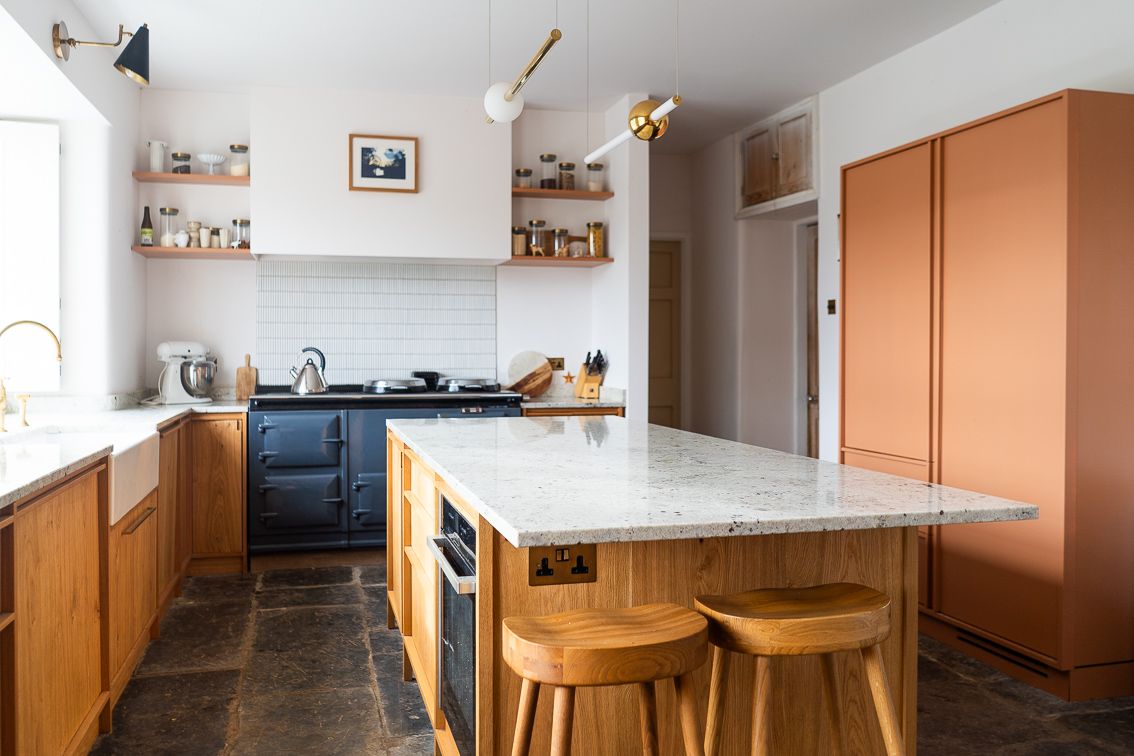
(375, 319)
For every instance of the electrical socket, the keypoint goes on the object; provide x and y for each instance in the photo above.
(556, 363)
(557, 565)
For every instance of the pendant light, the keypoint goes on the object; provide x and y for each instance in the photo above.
(503, 101)
(133, 63)
(649, 119)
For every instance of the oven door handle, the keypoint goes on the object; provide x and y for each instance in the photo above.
(462, 584)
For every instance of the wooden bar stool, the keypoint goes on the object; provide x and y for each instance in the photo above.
(821, 620)
(594, 647)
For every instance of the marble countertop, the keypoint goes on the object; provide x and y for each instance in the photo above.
(546, 481)
(570, 403)
(56, 445)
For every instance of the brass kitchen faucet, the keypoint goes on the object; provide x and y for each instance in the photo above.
(58, 358)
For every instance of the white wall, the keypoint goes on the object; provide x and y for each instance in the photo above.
(1015, 51)
(300, 199)
(210, 301)
(102, 282)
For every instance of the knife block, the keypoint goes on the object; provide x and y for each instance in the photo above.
(587, 386)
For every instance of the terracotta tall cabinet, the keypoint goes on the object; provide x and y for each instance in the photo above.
(988, 344)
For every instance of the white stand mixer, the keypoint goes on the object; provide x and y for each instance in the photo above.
(188, 374)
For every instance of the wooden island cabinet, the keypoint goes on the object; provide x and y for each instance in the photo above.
(986, 325)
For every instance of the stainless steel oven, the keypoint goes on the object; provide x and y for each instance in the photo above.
(455, 552)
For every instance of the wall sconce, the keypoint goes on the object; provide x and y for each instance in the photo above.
(133, 63)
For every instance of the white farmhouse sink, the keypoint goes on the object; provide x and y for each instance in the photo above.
(133, 463)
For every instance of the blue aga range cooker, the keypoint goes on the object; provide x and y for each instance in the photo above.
(317, 462)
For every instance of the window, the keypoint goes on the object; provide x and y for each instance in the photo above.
(29, 253)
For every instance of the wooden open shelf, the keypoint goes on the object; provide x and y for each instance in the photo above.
(144, 177)
(563, 194)
(191, 253)
(559, 262)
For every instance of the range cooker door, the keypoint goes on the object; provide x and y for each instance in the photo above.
(298, 439)
(297, 502)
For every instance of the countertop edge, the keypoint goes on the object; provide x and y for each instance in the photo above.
(34, 486)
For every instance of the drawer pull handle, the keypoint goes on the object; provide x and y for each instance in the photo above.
(358, 485)
(333, 500)
(338, 441)
(138, 523)
(268, 487)
(266, 426)
(358, 513)
(265, 516)
(265, 456)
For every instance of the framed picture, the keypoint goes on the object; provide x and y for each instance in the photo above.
(383, 163)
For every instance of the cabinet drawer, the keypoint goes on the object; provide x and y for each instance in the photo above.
(312, 501)
(298, 439)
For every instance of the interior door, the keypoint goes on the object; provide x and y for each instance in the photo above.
(811, 272)
(665, 333)
(1003, 387)
(886, 266)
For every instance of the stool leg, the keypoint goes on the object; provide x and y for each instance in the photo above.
(525, 718)
(718, 684)
(687, 706)
(883, 704)
(648, 717)
(831, 699)
(563, 716)
(761, 705)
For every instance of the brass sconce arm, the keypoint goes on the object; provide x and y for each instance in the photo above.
(62, 42)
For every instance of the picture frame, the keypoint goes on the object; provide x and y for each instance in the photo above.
(381, 163)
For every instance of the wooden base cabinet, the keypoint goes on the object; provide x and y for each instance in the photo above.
(54, 631)
(171, 502)
(987, 319)
(133, 555)
(217, 492)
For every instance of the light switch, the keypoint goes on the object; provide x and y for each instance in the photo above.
(830, 307)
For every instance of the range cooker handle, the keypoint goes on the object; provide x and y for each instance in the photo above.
(266, 426)
(358, 485)
(358, 513)
(462, 584)
(266, 455)
(334, 500)
(338, 441)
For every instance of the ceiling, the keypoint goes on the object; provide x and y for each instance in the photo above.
(740, 59)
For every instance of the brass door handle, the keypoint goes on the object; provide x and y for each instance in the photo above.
(137, 524)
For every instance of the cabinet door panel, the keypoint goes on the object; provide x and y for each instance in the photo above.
(168, 566)
(218, 486)
(133, 588)
(1003, 408)
(793, 164)
(758, 183)
(886, 264)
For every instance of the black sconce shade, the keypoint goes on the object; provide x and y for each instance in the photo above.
(134, 62)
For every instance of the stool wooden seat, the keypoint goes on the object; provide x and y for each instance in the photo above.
(595, 647)
(820, 620)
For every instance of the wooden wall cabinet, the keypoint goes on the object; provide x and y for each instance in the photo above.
(776, 167)
(218, 450)
(133, 560)
(987, 317)
(53, 630)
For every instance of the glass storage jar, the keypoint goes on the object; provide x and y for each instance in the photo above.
(519, 241)
(567, 176)
(560, 243)
(537, 237)
(548, 178)
(596, 241)
(595, 182)
(241, 233)
(181, 162)
(168, 226)
(523, 178)
(238, 163)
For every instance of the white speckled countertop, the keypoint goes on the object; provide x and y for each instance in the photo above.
(544, 481)
(569, 403)
(31, 459)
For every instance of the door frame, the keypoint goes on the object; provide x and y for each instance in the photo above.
(685, 243)
(801, 251)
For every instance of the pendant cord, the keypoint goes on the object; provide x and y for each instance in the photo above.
(489, 43)
(556, 14)
(587, 109)
(677, 47)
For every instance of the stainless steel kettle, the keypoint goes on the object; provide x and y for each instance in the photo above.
(309, 379)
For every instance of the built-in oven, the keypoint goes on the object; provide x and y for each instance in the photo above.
(455, 552)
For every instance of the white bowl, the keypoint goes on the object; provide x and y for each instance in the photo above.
(211, 159)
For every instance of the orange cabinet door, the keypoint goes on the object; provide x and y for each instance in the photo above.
(886, 266)
(1003, 361)
(218, 486)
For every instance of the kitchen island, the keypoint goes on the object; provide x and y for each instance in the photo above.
(652, 514)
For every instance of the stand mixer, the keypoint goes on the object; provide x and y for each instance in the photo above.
(188, 374)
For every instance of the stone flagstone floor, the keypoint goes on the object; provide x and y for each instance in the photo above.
(299, 661)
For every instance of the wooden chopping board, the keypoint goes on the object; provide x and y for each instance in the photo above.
(529, 373)
(246, 380)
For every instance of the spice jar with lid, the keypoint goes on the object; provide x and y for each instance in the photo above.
(596, 242)
(238, 163)
(567, 176)
(523, 178)
(519, 241)
(548, 178)
(181, 162)
(168, 226)
(537, 237)
(241, 233)
(595, 181)
(561, 242)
